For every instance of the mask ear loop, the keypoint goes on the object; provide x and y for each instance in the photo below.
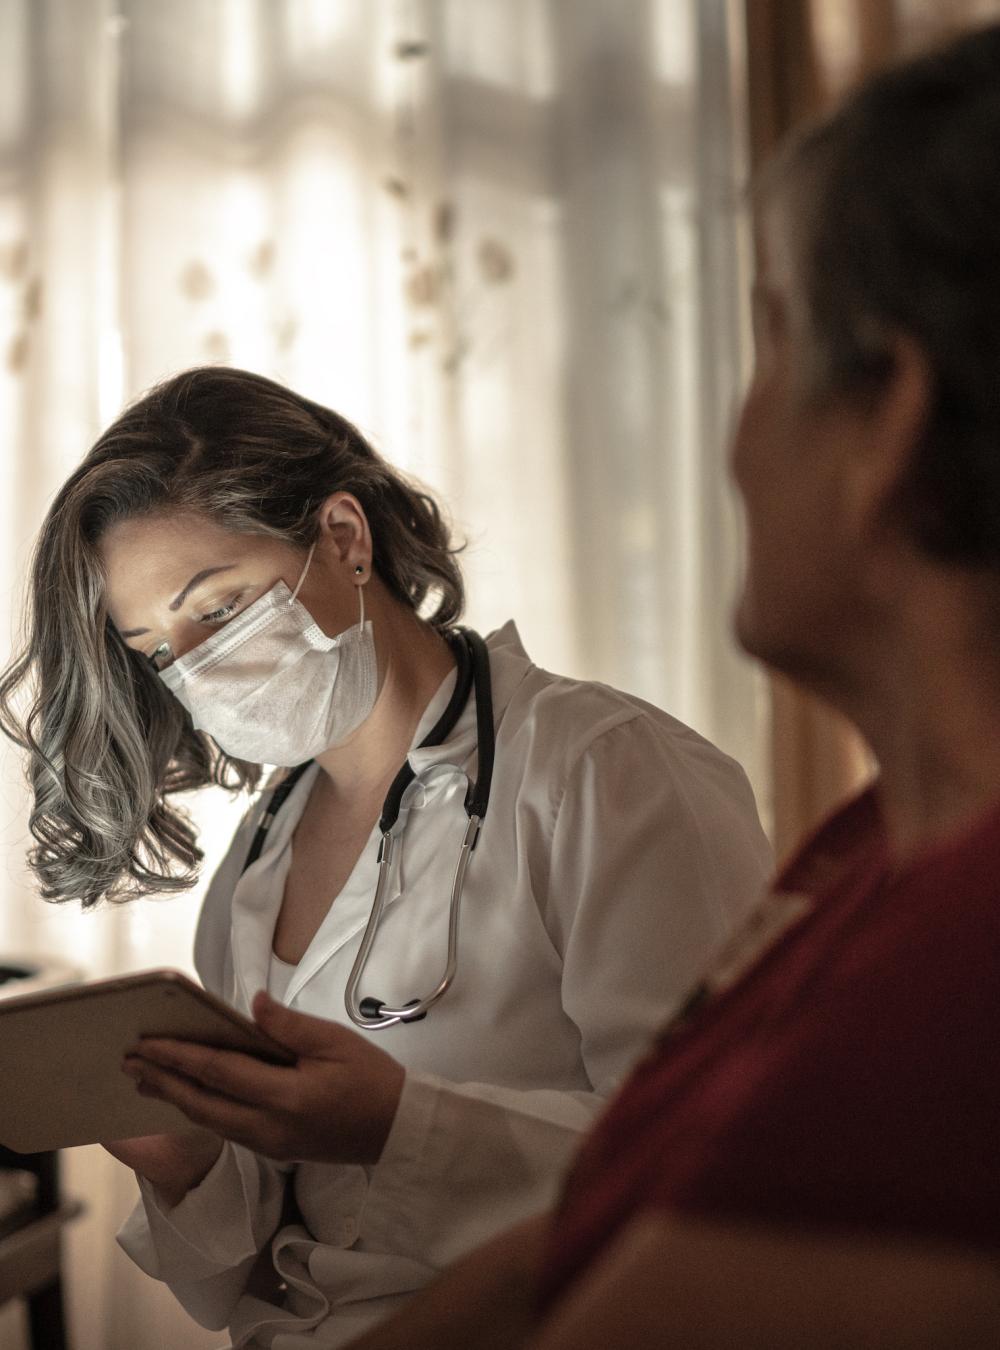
(302, 575)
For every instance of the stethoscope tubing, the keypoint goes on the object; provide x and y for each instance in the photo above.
(472, 674)
(417, 1010)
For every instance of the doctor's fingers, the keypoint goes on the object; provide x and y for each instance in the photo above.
(254, 1127)
(243, 1077)
(315, 1037)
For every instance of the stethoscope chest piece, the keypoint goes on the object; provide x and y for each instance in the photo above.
(373, 1010)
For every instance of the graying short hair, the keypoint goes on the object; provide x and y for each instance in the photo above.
(895, 202)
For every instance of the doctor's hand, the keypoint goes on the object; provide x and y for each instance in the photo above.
(174, 1163)
(336, 1104)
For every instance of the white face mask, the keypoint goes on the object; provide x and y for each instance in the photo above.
(271, 687)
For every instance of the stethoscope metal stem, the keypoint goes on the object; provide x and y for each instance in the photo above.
(387, 1017)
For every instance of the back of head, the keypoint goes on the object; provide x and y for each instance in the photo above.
(108, 744)
(892, 208)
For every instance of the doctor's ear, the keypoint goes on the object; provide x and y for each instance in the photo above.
(344, 534)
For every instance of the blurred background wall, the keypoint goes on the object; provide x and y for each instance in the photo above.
(503, 236)
(506, 237)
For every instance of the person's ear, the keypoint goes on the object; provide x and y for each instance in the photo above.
(887, 433)
(345, 537)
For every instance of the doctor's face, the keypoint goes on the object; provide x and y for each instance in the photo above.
(787, 458)
(174, 579)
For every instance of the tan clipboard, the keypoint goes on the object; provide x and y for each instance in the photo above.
(61, 1049)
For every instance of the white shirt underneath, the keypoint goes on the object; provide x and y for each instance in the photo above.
(279, 977)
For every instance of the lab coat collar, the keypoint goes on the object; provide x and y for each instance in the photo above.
(258, 895)
(509, 664)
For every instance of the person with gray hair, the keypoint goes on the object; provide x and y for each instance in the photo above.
(808, 1154)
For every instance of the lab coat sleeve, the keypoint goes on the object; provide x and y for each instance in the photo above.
(657, 857)
(656, 854)
(204, 1248)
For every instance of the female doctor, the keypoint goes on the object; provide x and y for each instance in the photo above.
(232, 578)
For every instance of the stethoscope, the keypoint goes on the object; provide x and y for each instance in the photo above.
(473, 671)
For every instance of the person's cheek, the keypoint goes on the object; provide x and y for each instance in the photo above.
(744, 442)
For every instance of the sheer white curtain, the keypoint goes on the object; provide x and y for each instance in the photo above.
(503, 236)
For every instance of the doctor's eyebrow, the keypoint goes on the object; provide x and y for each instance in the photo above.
(178, 600)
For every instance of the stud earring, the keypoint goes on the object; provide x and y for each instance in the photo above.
(359, 570)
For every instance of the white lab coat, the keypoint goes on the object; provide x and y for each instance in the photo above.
(619, 851)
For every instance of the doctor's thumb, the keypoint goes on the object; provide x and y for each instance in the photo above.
(298, 1032)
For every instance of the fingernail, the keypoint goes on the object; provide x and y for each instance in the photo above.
(132, 1067)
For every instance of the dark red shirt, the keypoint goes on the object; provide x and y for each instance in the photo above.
(841, 1068)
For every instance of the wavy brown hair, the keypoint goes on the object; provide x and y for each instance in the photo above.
(108, 745)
